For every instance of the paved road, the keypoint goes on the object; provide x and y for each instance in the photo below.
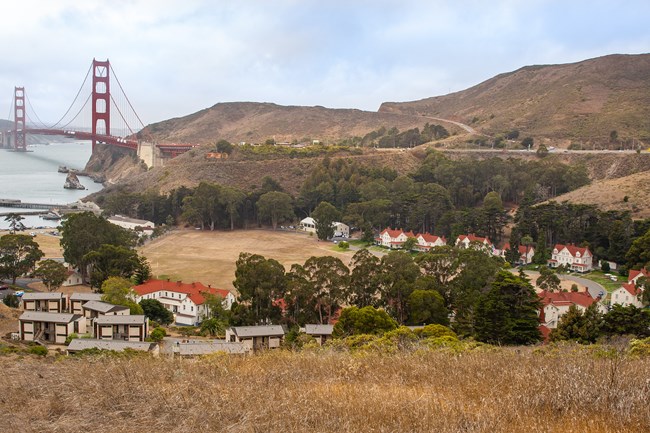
(594, 288)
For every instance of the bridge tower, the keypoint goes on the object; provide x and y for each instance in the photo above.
(19, 119)
(101, 98)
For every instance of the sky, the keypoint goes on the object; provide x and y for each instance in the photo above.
(174, 58)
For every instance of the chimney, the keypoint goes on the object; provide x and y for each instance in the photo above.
(168, 280)
(209, 286)
(178, 283)
(193, 284)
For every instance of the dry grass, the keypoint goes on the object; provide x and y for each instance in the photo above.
(481, 391)
(209, 257)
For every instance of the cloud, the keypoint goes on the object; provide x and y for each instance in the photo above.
(174, 58)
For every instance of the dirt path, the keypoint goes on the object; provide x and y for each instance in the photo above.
(209, 257)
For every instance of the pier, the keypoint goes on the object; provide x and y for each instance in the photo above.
(23, 205)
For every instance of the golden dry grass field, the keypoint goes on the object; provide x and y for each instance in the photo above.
(484, 390)
(209, 257)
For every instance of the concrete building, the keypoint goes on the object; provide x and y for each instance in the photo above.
(128, 328)
(321, 333)
(77, 301)
(45, 302)
(49, 327)
(131, 223)
(257, 337)
(79, 344)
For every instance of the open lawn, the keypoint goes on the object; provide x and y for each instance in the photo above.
(209, 257)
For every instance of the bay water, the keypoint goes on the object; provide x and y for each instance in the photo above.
(32, 177)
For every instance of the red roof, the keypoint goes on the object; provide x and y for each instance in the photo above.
(583, 299)
(631, 289)
(634, 274)
(193, 290)
(392, 233)
(431, 238)
(522, 248)
(473, 238)
(573, 250)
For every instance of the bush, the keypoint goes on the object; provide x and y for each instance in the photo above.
(157, 334)
(344, 245)
(11, 301)
(38, 350)
(70, 338)
(640, 347)
(435, 331)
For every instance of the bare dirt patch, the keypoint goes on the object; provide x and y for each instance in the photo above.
(209, 257)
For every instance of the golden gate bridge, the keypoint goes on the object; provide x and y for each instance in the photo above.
(113, 120)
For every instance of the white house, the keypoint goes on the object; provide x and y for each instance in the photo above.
(393, 239)
(577, 258)
(634, 275)
(131, 223)
(185, 300)
(340, 230)
(427, 241)
(73, 278)
(471, 240)
(556, 304)
(525, 253)
(627, 294)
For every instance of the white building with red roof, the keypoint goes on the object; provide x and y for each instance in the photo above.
(576, 258)
(526, 253)
(627, 294)
(393, 239)
(185, 300)
(465, 241)
(426, 241)
(634, 275)
(556, 304)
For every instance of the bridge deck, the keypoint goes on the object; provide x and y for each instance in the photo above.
(24, 205)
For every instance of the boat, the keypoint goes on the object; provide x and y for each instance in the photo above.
(52, 216)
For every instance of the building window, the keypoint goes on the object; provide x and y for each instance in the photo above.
(191, 308)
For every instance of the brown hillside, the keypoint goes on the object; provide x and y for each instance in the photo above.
(581, 101)
(191, 168)
(256, 122)
(609, 194)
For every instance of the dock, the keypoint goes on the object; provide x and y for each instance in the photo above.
(24, 205)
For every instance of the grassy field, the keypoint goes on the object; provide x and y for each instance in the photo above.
(487, 390)
(209, 257)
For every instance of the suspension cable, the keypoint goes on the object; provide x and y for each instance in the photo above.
(75, 100)
(75, 116)
(11, 109)
(127, 98)
(34, 111)
(121, 115)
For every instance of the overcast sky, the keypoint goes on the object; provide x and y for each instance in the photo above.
(176, 57)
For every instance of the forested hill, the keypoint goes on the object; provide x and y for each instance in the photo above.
(253, 122)
(582, 102)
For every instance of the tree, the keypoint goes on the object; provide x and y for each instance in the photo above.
(212, 327)
(157, 334)
(363, 287)
(548, 279)
(409, 244)
(84, 232)
(507, 313)
(203, 207)
(275, 206)
(224, 146)
(11, 301)
(638, 256)
(528, 142)
(366, 320)
(15, 223)
(156, 311)
(577, 326)
(542, 151)
(324, 216)
(329, 278)
(111, 261)
(628, 320)
(232, 199)
(118, 291)
(397, 279)
(427, 307)
(52, 273)
(493, 215)
(18, 255)
(261, 283)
